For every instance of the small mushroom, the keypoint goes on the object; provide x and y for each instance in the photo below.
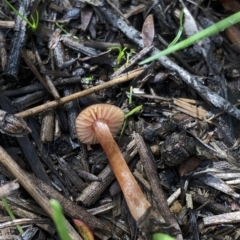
(96, 124)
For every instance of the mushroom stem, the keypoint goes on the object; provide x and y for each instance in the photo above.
(136, 201)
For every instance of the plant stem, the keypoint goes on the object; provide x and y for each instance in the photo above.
(10, 213)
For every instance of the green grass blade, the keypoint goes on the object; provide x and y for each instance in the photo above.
(59, 220)
(10, 213)
(161, 236)
(133, 111)
(217, 27)
(18, 13)
(126, 116)
(175, 40)
(37, 20)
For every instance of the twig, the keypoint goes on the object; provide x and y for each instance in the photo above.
(7, 24)
(233, 217)
(124, 78)
(210, 204)
(34, 69)
(23, 221)
(48, 81)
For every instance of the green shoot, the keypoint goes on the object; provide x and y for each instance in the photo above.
(127, 115)
(89, 79)
(175, 40)
(10, 213)
(216, 28)
(133, 111)
(130, 95)
(120, 55)
(65, 31)
(33, 25)
(59, 220)
(161, 236)
(122, 52)
(128, 55)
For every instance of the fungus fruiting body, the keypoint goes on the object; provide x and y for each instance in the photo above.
(97, 124)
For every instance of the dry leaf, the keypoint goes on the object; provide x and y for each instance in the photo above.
(231, 5)
(148, 31)
(233, 35)
(86, 16)
(188, 166)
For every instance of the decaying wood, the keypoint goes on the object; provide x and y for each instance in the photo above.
(157, 190)
(29, 233)
(20, 212)
(35, 71)
(23, 221)
(7, 24)
(214, 206)
(39, 87)
(27, 147)
(12, 125)
(189, 109)
(19, 40)
(233, 217)
(73, 210)
(8, 189)
(47, 127)
(26, 182)
(3, 50)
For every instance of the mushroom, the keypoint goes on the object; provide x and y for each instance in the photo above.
(96, 124)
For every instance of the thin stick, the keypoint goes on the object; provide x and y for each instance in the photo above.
(52, 104)
(7, 24)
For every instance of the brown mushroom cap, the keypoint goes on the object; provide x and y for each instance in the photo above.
(106, 113)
